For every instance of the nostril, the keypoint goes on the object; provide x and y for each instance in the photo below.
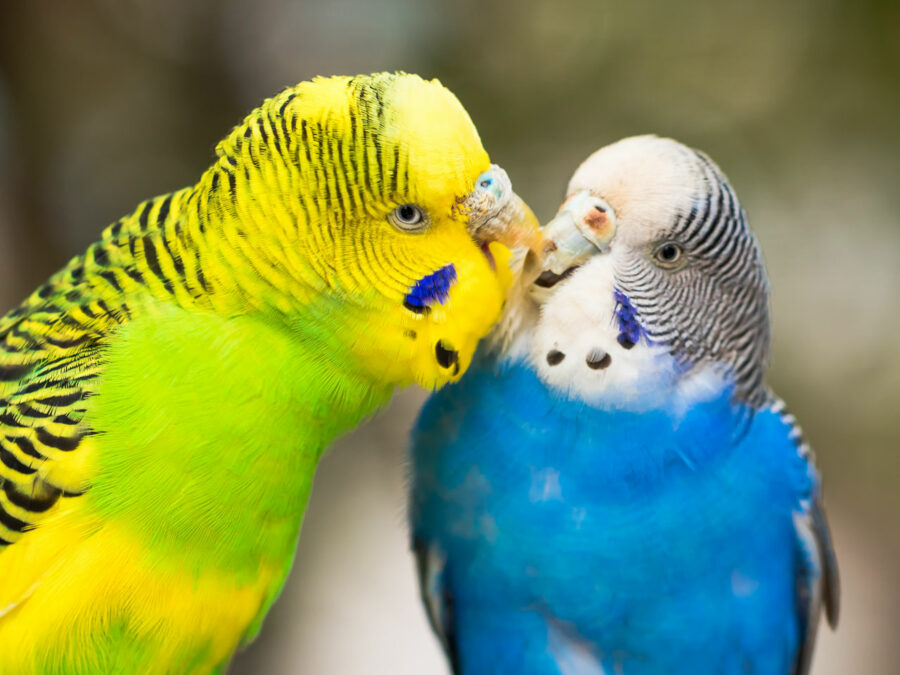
(597, 359)
(446, 356)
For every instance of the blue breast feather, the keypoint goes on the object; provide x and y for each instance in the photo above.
(666, 545)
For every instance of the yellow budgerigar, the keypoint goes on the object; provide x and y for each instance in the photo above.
(165, 397)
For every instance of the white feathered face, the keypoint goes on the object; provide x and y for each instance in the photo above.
(652, 283)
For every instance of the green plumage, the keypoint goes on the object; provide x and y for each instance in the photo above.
(165, 398)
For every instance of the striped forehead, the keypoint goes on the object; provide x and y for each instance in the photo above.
(413, 139)
(366, 141)
(438, 143)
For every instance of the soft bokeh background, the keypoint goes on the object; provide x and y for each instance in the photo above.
(106, 102)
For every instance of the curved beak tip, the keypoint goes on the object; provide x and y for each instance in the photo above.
(514, 225)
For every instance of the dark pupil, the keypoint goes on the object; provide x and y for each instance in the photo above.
(669, 252)
(407, 213)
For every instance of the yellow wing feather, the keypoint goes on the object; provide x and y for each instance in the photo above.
(72, 576)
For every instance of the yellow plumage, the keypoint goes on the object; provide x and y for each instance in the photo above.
(91, 570)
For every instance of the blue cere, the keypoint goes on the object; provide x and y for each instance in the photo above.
(434, 287)
(487, 181)
(630, 329)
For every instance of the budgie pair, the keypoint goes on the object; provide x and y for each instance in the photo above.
(611, 488)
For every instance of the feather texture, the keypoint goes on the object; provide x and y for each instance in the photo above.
(164, 398)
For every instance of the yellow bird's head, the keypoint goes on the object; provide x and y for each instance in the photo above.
(377, 222)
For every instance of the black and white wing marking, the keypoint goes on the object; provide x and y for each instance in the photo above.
(817, 579)
(438, 600)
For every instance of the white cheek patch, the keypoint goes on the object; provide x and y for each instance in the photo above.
(575, 349)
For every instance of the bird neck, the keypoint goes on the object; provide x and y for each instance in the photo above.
(610, 442)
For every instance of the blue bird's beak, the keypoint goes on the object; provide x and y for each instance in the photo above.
(584, 227)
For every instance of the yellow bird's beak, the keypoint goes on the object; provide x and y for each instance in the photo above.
(496, 213)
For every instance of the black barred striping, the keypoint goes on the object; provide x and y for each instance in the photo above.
(262, 130)
(63, 400)
(176, 259)
(70, 321)
(395, 174)
(13, 372)
(25, 446)
(100, 255)
(110, 278)
(135, 275)
(26, 337)
(290, 97)
(9, 460)
(201, 279)
(716, 307)
(143, 217)
(66, 444)
(41, 384)
(163, 212)
(65, 419)
(26, 410)
(29, 503)
(12, 523)
(152, 261)
(10, 349)
(7, 419)
(70, 342)
(304, 136)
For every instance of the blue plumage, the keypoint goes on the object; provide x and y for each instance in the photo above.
(651, 542)
(611, 488)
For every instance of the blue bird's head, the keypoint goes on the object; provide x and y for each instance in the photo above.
(651, 286)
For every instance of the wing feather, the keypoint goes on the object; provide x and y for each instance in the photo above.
(818, 583)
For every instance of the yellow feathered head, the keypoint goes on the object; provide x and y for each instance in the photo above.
(373, 205)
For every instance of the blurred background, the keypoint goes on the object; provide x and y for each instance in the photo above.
(106, 102)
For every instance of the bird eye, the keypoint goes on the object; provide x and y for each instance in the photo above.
(409, 218)
(668, 255)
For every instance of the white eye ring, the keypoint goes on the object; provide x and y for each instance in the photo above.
(409, 218)
(669, 255)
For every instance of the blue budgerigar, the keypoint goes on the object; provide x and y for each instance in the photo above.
(612, 488)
